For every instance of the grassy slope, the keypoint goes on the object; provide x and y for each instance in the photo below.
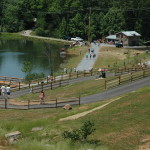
(71, 90)
(117, 56)
(122, 125)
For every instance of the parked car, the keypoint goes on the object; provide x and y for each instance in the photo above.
(66, 38)
(76, 39)
(119, 45)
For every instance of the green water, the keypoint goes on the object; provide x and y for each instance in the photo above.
(45, 57)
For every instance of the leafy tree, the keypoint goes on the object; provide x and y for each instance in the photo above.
(113, 21)
(27, 67)
(77, 26)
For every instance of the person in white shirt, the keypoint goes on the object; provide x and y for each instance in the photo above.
(3, 90)
(8, 90)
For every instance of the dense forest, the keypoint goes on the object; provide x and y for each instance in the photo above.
(56, 18)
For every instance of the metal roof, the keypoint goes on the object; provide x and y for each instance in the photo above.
(130, 33)
(113, 37)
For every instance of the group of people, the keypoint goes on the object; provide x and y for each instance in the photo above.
(90, 53)
(65, 70)
(5, 91)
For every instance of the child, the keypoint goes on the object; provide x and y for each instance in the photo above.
(42, 96)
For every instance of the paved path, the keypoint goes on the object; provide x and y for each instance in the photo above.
(87, 63)
(123, 89)
(114, 92)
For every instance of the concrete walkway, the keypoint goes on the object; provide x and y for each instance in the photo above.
(87, 63)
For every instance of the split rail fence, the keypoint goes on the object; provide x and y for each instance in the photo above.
(37, 104)
(61, 80)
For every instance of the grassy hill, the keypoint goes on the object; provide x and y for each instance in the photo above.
(122, 125)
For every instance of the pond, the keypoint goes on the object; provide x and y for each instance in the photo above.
(44, 57)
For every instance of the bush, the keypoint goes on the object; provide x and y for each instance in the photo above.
(40, 32)
(81, 134)
(33, 76)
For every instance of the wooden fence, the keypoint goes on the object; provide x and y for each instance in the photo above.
(111, 82)
(61, 80)
(37, 104)
(122, 79)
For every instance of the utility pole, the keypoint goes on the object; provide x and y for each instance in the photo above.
(89, 30)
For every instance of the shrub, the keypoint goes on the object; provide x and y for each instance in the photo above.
(80, 134)
(40, 32)
(33, 76)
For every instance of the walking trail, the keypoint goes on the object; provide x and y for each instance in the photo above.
(73, 117)
(87, 62)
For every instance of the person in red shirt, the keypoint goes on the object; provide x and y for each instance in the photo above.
(42, 96)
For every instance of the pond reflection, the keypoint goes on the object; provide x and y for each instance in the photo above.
(13, 53)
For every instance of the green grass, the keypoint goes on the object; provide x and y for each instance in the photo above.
(115, 57)
(72, 90)
(121, 125)
(6, 35)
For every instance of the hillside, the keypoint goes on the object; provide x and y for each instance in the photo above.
(121, 125)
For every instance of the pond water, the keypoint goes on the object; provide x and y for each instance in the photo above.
(45, 57)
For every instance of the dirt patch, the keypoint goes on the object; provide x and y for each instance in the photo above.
(145, 144)
(83, 107)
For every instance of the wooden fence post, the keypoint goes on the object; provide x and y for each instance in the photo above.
(105, 84)
(28, 104)
(143, 74)
(119, 80)
(77, 74)
(5, 103)
(61, 76)
(19, 85)
(51, 85)
(56, 102)
(29, 84)
(91, 72)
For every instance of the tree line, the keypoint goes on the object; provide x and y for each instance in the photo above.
(56, 18)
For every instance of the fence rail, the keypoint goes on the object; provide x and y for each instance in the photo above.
(59, 102)
(58, 81)
(122, 79)
(37, 104)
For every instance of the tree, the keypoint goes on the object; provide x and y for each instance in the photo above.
(27, 67)
(113, 21)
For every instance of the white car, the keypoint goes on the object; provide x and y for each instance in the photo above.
(76, 39)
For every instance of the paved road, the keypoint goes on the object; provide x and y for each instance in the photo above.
(87, 63)
(123, 89)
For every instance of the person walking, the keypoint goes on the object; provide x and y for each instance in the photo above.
(86, 56)
(90, 56)
(3, 90)
(42, 96)
(8, 91)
